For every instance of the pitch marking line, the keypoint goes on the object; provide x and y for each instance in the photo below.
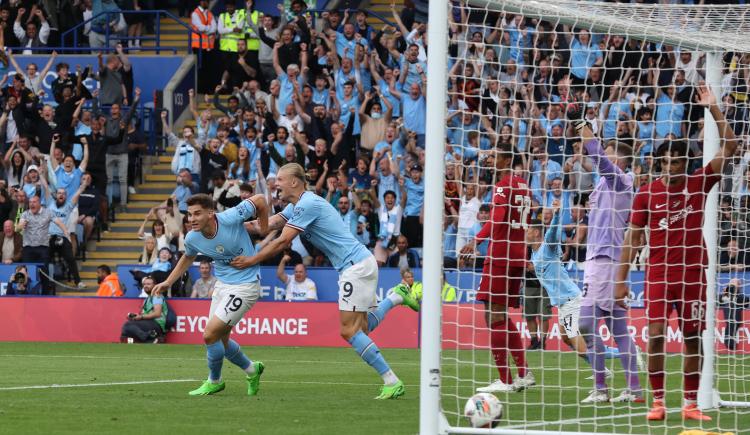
(133, 357)
(170, 381)
(98, 384)
(582, 420)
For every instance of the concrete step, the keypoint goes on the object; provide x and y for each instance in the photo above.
(165, 159)
(156, 197)
(150, 178)
(99, 255)
(123, 244)
(111, 235)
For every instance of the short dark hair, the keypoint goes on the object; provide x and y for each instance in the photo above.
(218, 175)
(204, 261)
(104, 268)
(246, 187)
(485, 208)
(389, 192)
(233, 97)
(203, 200)
(536, 224)
(675, 148)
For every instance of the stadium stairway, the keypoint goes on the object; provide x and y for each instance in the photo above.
(172, 35)
(121, 245)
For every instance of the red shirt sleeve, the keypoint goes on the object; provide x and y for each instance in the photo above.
(497, 216)
(707, 178)
(639, 213)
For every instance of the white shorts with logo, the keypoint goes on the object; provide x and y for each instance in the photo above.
(358, 285)
(231, 301)
(568, 315)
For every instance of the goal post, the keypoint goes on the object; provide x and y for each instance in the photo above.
(712, 30)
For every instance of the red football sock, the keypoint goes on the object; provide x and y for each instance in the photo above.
(691, 381)
(515, 344)
(657, 384)
(499, 344)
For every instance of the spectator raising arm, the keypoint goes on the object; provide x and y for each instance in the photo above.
(280, 272)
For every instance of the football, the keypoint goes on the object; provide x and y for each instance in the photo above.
(483, 410)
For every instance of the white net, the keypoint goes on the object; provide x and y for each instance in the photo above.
(523, 74)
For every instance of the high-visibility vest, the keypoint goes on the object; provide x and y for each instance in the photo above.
(253, 42)
(228, 41)
(110, 287)
(199, 40)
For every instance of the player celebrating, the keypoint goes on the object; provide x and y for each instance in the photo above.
(610, 206)
(504, 270)
(563, 292)
(312, 215)
(222, 236)
(672, 209)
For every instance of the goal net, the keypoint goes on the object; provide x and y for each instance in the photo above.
(563, 124)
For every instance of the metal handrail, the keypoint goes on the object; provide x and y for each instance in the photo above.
(173, 49)
(108, 37)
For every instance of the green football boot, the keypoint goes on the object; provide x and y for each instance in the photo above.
(391, 391)
(409, 300)
(208, 388)
(253, 381)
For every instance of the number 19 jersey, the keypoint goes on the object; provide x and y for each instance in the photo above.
(506, 228)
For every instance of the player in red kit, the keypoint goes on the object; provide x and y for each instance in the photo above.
(504, 270)
(671, 207)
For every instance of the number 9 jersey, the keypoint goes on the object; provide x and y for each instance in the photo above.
(509, 219)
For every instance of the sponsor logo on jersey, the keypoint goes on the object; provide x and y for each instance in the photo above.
(664, 223)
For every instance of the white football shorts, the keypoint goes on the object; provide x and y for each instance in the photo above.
(568, 315)
(358, 285)
(231, 301)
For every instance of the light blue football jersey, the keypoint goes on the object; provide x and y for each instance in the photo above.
(549, 269)
(321, 225)
(231, 240)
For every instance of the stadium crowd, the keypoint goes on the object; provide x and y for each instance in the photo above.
(346, 100)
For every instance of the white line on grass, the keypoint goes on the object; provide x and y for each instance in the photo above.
(157, 358)
(169, 381)
(97, 384)
(581, 420)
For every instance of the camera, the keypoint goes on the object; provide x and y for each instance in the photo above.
(57, 241)
(19, 278)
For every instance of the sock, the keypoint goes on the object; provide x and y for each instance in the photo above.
(233, 353)
(389, 378)
(618, 324)
(369, 352)
(499, 346)
(656, 379)
(691, 381)
(589, 319)
(515, 344)
(396, 298)
(611, 352)
(215, 357)
(377, 315)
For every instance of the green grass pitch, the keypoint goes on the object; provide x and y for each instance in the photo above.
(114, 388)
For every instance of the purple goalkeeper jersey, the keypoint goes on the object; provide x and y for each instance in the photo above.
(609, 206)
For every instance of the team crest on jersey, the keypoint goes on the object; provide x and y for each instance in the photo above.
(220, 249)
(499, 192)
(298, 211)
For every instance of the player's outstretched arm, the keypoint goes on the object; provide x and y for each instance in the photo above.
(630, 246)
(269, 251)
(707, 99)
(261, 207)
(180, 268)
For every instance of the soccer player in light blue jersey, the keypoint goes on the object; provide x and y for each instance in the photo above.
(222, 236)
(563, 292)
(312, 217)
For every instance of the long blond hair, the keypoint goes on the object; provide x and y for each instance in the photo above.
(147, 258)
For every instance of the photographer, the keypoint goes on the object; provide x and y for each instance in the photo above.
(733, 302)
(21, 284)
(150, 326)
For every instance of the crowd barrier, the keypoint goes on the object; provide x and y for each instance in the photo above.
(75, 319)
(326, 279)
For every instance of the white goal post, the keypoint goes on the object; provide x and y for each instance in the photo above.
(711, 29)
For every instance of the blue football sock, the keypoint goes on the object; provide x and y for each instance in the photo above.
(233, 353)
(378, 314)
(611, 352)
(215, 356)
(369, 352)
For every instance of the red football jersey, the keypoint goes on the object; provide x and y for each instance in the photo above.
(674, 217)
(506, 228)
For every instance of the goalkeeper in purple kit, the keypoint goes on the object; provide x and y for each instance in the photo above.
(610, 204)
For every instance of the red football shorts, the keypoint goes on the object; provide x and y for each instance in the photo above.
(683, 291)
(501, 284)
